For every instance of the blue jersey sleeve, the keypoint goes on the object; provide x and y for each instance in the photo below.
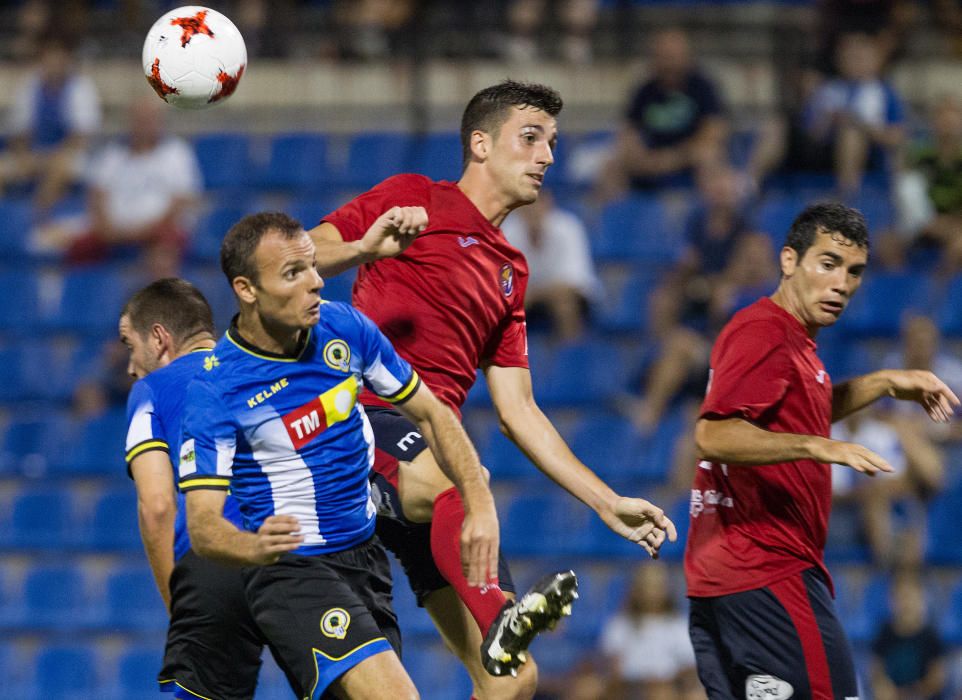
(385, 372)
(145, 431)
(210, 440)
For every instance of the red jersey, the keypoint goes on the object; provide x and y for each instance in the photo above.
(754, 525)
(452, 301)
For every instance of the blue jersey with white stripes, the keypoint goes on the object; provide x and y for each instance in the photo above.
(155, 409)
(286, 433)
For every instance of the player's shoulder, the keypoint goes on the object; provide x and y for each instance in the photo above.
(407, 183)
(340, 319)
(760, 321)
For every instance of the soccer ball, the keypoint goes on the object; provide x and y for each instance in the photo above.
(194, 57)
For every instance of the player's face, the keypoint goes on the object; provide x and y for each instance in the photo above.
(143, 357)
(825, 278)
(288, 287)
(522, 152)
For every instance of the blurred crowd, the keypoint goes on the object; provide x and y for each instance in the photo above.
(842, 130)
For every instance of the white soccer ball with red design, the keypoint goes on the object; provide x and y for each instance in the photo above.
(194, 57)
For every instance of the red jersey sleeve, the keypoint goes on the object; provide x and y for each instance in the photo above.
(354, 218)
(509, 347)
(750, 373)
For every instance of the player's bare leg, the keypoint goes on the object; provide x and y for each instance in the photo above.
(377, 677)
(463, 638)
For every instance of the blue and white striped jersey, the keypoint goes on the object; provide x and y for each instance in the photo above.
(287, 434)
(155, 409)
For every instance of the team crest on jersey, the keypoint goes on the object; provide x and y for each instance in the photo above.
(506, 277)
(210, 362)
(337, 355)
(334, 623)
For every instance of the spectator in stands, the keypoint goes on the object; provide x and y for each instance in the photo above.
(847, 125)
(887, 21)
(54, 115)
(674, 123)
(892, 509)
(141, 192)
(370, 26)
(922, 348)
(527, 21)
(562, 282)
(696, 298)
(929, 192)
(908, 655)
(649, 621)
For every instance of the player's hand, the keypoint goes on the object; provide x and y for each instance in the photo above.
(923, 387)
(276, 535)
(859, 458)
(640, 522)
(393, 232)
(480, 539)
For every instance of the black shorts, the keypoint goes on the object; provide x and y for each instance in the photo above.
(324, 614)
(756, 644)
(213, 645)
(397, 439)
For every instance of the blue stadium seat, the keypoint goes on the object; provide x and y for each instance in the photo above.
(624, 308)
(503, 458)
(437, 155)
(338, 288)
(136, 675)
(949, 314)
(375, 157)
(16, 223)
(67, 672)
(309, 210)
(580, 373)
(212, 284)
(40, 518)
(608, 443)
(942, 542)
(13, 384)
(414, 621)
(951, 621)
(113, 526)
(637, 229)
(92, 299)
(19, 290)
(210, 231)
(882, 301)
(546, 524)
(863, 621)
(132, 601)
(54, 599)
(775, 215)
(81, 448)
(598, 599)
(436, 673)
(298, 162)
(225, 161)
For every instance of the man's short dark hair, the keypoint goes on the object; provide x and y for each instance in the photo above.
(827, 217)
(175, 304)
(488, 109)
(238, 246)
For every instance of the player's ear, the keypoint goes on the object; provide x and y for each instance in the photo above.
(244, 289)
(480, 144)
(160, 339)
(788, 260)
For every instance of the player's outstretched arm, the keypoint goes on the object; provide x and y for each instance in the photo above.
(923, 387)
(215, 537)
(156, 512)
(480, 535)
(735, 441)
(390, 235)
(524, 422)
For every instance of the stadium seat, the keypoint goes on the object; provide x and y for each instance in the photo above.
(608, 443)
(414, 621)
(437, 155)
(599, 597)
(546, 524)
(20, 307)
(132, 601)
(113, 526)
(949, 314)
(338, 288)
(210, 231)
(845, 536)
(436, 672)
(92, 299)
(40, 518)
(67, 672)
(80, 449)
(375, 157)
(951, 621)
(774, 216)
(942, 542)
(16, 224)
(624, 308)
(882, 301)
(298, 163)
(136, 674)
(225, 161)
(578, 374)
(54, 599)
(863, 622)
(503, 458)
(637, 229)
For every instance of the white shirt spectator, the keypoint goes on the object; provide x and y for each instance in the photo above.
(81, 106)
(563, 255)
(139, 187)
(876, 435)
(655, 648)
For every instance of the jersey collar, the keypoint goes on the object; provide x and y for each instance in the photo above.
(234, 336)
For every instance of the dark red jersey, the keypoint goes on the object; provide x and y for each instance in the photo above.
(454, 300)
(754, 525)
